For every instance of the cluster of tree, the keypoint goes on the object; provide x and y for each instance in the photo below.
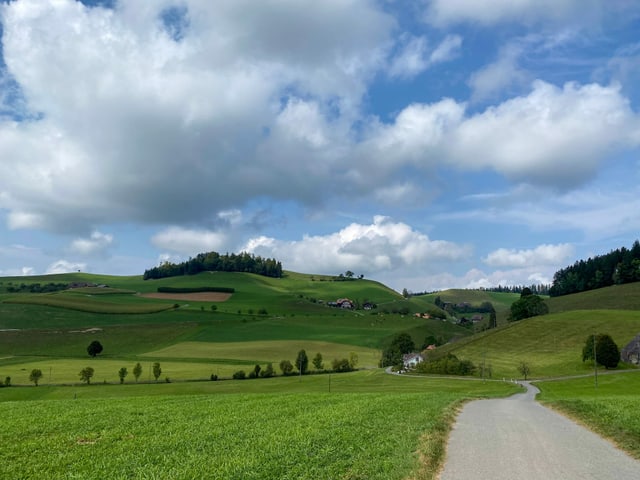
(447, 365)
(538, 289)
(616, 267)
(37, 288)
(529, 305)
(195, 289)
(214, 262)
(602, 349)
(299, 367)
(347, 276)
(400, 345)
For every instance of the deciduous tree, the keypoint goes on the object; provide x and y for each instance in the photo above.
(86, 374)
(302, 362)
(317, 361)
(35, 376)
(94, 348)
(607, 352)
(122, 373)
(157, 371)
(137, 371)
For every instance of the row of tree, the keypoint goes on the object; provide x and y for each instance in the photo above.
(615, 268)
(301, 364)
(214, 262)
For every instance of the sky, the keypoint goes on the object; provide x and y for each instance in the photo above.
(426, 144)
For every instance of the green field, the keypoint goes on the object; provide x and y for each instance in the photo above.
(610, 409)
(360, 425)
(364, 424)
(550, 344)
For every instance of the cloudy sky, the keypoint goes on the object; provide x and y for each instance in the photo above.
(426, 144)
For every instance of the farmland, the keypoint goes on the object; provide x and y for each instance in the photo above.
(364, 424)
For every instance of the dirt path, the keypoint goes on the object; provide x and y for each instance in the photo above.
(517, 438)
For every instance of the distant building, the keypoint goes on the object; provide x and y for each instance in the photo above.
(631, 353)
(410, 360)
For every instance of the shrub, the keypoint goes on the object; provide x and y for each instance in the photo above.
(239, 375)
(341, 365)
(448, 365)
(214, 377)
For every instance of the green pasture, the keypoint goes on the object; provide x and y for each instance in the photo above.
(611, 408)
(269, 351)
(65, 371)
(363, 424)
(91, 303)
(617, 297)
(550, 344)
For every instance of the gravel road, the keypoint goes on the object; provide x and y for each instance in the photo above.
(517, 438)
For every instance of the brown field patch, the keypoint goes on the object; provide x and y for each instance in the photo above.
(190, 297)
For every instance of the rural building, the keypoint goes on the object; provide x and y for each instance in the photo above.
(410, 360)
(631, 353)
(345, 303)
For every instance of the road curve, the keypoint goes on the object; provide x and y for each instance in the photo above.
(517, 438)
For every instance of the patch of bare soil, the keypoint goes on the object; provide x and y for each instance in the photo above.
(190, 297)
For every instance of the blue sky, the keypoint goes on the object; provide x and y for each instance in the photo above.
(426, 144)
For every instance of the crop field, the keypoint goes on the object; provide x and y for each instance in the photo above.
(308, 432)
(610, 409)
(550, 344)
(269, 351)
(91, 304)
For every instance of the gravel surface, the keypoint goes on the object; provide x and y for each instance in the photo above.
(517, 438)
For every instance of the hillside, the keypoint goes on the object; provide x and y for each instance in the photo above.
(264, 320)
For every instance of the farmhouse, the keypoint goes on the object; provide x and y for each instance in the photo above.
(410, 360)
(345, 303)
(631, 353)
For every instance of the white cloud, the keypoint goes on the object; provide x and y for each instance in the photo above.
(414, 56)
(499, 76)
(64, 266)
(96, 244)
(489, 12)
(545, 255)
(190, 241)
(382, 246)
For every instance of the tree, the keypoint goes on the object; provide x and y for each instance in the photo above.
(302, 362)
(35, 376)
(524, 369)
(122, 373)
(268, 371)
(157, 371)
(85, 374)
(137, 371)
(607, 353)
(353, 360)
(239, 375)
(400, 345)
(317, 361)
(405, 293)
(286, 367)
(528, 306)
(94, 348)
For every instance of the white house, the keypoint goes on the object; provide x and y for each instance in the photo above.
(410, 360)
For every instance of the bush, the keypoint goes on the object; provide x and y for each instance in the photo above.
(239, 375)
(448, 365)
(214, 377)
(341, 365)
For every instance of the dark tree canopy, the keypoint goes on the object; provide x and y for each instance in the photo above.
(94, 348)
(616, 267)
(400, 345)
(528, 306)
(607, 352)
(302, 362)
(214, 262)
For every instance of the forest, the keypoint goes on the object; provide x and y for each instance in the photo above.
(214, 262)
(615, 268)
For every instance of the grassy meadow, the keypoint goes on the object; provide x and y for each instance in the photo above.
(363, 424)
(610, 408)
(356, 425)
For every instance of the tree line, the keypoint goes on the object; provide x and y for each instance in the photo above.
(214, 262)
(614, 268)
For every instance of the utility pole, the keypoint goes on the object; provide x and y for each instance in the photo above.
(595, 361)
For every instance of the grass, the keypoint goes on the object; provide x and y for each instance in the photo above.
(610, 409)
(550, 344)
(369, 425)
(268, 351)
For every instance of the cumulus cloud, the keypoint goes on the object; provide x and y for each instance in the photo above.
(382, 246)
(96, 244)
(556, 137)
(127, 110)
(553, 255)
(499, 76)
